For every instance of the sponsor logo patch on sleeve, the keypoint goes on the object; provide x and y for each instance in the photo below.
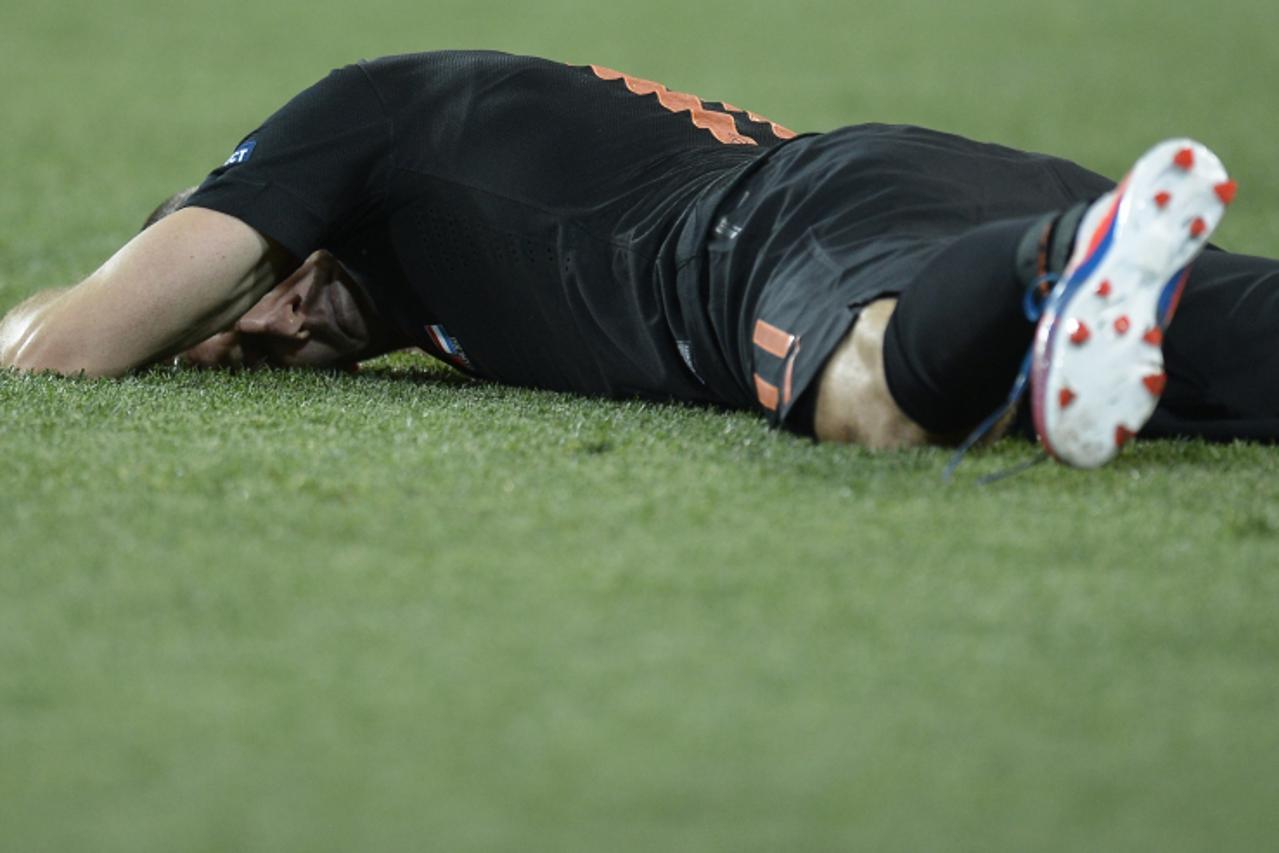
(242, 154)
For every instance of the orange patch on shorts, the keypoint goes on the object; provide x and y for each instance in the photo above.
(771, 339)
(767, 393)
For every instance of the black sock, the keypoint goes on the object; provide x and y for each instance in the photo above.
(959, 332)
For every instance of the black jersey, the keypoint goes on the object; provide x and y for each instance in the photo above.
(515, 216)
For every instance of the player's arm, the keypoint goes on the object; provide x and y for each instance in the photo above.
(185, 278)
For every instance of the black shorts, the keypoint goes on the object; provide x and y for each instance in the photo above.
(828, 223)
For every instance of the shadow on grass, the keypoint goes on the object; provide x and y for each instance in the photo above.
(416, 370)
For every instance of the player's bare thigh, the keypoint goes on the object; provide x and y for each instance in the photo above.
(853, 401)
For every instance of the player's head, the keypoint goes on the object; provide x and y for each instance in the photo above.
(169, 205)
(317, 317)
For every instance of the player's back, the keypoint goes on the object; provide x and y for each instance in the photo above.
(532, 203)
(554, 137)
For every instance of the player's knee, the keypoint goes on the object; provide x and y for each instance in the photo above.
(853, 402)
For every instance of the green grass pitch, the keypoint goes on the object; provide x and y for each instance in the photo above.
(398, 611)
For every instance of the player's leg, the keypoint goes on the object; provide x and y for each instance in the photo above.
(1221, 353)
(853, 403)
(955, 341)
(925, 367)
(929, 366)
(962, 330)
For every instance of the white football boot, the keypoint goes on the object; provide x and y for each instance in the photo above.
(1098, 367)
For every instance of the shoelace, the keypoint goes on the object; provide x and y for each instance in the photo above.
(1033, 306)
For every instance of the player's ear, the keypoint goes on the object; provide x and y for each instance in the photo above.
(277, 313)
(282, 311)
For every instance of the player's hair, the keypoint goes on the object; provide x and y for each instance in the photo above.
(169, 205)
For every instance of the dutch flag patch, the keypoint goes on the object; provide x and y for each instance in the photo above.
(448, 346)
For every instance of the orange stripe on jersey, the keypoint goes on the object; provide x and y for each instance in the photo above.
(778, 131)
(772, 340)
(767, 393)
(721, 125)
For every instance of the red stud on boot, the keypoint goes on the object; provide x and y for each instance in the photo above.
(1079, 333)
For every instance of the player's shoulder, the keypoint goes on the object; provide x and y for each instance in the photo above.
(443, 65)
(441, 79)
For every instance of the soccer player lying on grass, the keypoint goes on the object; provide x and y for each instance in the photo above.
(574, 228)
